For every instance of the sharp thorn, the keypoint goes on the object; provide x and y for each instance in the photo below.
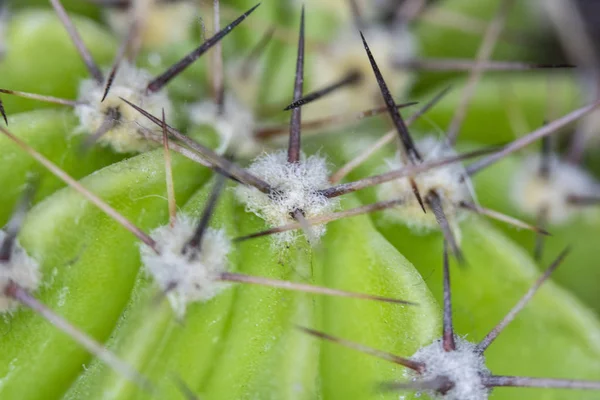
(85, 54)
(448, 342)
(350, 79)
(435, 203)
(296, 117)
(161, 80)
(406, 362)
(302, 287)
(13, 227)
(193, 246)
(490, 337)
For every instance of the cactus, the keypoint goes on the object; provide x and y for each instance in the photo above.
(172, 233)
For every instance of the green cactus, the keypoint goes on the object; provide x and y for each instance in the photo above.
(194, 254)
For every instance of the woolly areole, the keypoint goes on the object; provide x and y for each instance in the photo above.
(464, 367)
(187, 276)
(450, 182)
(129, 83)
(532, 192)
(297, 187)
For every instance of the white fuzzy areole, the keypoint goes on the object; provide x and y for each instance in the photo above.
(235, 125)
(347, 54)
(463, 366)
(130, 83)
(163, 23)
(22, 270)
(298, 185)
(187, 279)
(450, 182)
(530, 193)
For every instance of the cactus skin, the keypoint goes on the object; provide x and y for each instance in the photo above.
(244, 343)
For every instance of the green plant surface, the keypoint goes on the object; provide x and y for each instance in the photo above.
(53, 132)
(504, 107)
(522, 28)
(89, 264)
(580, 272)
(151, 338)
(553, 326)
(86, 8)
(357, 257)
(28, 66)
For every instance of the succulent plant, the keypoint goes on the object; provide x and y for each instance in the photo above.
(197, 210)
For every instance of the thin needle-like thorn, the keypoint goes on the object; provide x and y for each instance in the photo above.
(448, 342)
(542, 217)
(460, 65)
(577, 200)
(133, 31)
(435, 203)
(528, 139)
(527, 382)
(375, 180)
(415, 190)
(439, 384)
(95, 348)
(323, 219)
(406, 362)
(85, 54)
(387, 138)
(256, 52)
(269, 131)
(195, 241)
(502, 217)
(169, 174)
(109, 122)
(13, 227)
(483, 55)
(217, 63)
(218, 163)
(40, 97)
(350, 79)
(3, 112)
(296, 117)
(97, 201)
(161, 80)
(302, 287)
(405, 138)
(490, 337)
(185, 389)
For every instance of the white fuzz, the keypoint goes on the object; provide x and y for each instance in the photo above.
(463, 366)
(129, 83)
(347, 54)
(530, 192)
(235, 125)
(187, 278)
(22, 270)
(450, 182)
(298, 186)
(163, 22)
